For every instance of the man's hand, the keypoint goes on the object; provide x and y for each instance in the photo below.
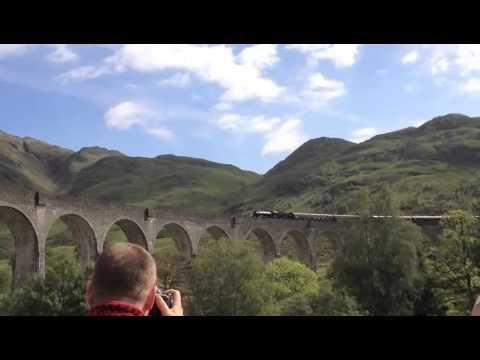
(476, 307)
(176, 309)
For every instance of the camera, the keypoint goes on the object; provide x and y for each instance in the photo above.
(166, 297)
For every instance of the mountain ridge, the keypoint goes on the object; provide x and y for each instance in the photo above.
(424, 165)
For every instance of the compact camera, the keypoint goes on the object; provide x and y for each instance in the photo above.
(166, 297)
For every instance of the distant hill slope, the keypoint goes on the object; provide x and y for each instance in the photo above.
(167, 181)
(425, 166)
(77, 161)
(34, 164)
(30, 163)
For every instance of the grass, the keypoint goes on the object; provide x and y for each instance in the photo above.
(425, 168)
(177, 183)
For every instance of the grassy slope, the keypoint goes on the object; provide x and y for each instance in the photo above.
(198, 186)
(29, 162)
(164, 182)
(425, 166)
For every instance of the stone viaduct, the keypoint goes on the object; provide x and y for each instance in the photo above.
(29, 216)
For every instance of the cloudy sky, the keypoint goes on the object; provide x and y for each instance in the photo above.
(246, 105)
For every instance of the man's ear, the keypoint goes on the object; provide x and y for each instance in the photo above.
(149, 301)
(88, 293)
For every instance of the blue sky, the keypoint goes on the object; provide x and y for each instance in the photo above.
(246, 105)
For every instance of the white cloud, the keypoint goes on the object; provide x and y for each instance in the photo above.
(260, 124)
(240, 75)
(457, 58)
(126, 114)
(259, 56)
(471, 85)
(161, 133)
(287, 137)
(279, 136)
(331, 88)
(319, 91)
(84, 72)
(451, 66)
(410, 58)
(342, 55)
(230, 122)
(439, 66)
(13, 49)
(468, 58)
(180, 80)
(62, 54)
(239, 123)
(363, 134)
(223, 106)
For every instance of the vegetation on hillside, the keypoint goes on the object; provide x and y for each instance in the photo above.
(426, 167)
(169, 182)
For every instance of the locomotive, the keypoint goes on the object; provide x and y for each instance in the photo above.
(272, 214)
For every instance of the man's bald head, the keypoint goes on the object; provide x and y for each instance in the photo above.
(125, 272)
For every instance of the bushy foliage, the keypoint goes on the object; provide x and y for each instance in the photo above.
(227, 280)
(171, 265)
(378, 261)
(60, 293)
(296, 290)
(455, 262)
(5, 278)
(291, 285)
(334, 302)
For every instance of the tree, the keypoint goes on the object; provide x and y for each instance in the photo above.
(296, 290)
(456, 261)
(5, 279)
(466, 196)
(330, 170)
(61, 293)
(333, 302)
(378, 260)
(291, 286)
(171, 265)
(227, 280)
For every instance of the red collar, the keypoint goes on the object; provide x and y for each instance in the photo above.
(115, 308)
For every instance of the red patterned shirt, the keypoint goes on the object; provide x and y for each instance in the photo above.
(115, 308)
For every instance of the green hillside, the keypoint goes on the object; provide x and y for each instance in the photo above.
(68, 171)
(167, 181)
(29, 163)
(428, 168)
